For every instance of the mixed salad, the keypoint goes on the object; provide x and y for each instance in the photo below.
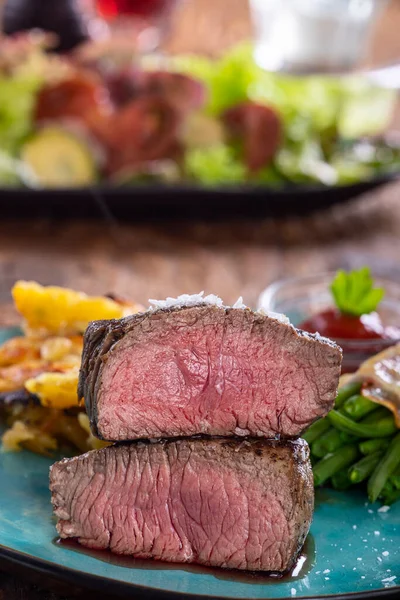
(77, 121)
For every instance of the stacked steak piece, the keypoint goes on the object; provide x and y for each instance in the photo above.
(205, 402)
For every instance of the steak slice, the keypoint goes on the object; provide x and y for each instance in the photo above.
(205, 370)
(241, 504)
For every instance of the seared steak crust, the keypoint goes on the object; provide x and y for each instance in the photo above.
(242, 504)
(205, 370)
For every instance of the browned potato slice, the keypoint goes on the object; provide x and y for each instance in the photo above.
(55, 310)
(14, 376)
(55, 390)
(17, 350)
(21, 435)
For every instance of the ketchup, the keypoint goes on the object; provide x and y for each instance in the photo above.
(332, 323)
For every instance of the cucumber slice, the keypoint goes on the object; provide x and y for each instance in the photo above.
(59, 159)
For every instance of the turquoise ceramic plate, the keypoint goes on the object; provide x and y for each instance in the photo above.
(354, 548)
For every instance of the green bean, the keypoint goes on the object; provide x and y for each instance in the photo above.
(316, 429)
(388, 488)
(329, 442)
(391, 490)
(364, 467)
(383, 428)
(391, 497)
(318, 447)
(358, 407)
(333, 463)
(376, 416)
(385, 468)
(346, 391)
(371, 446)
(395, 479)
(392, 483)
(341, 480)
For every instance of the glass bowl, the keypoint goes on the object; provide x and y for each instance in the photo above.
(301, 297)
(313, 36)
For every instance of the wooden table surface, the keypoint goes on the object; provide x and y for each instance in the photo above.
(230, 259)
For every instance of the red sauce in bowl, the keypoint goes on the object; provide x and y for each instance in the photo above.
(333, 324)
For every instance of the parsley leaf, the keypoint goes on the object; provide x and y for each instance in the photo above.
(354, 292)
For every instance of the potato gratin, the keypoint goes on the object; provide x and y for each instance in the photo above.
(39, 370)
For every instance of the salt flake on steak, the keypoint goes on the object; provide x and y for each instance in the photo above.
(186, 300)
(239, 303)
(189, 300)
(193, 300)
(274, 315)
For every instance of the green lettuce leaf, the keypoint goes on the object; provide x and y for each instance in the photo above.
(228, 80)
(17, 100)
(354, 292)
(214, 165)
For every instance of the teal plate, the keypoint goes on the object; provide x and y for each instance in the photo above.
(353, 550)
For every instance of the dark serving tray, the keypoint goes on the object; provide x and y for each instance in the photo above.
(154, 201)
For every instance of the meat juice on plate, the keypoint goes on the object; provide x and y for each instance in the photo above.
(301, 568)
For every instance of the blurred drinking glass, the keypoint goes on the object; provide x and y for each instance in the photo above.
(143, 23)
(310, 36)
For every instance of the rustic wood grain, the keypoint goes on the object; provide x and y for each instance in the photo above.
(230, 259)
